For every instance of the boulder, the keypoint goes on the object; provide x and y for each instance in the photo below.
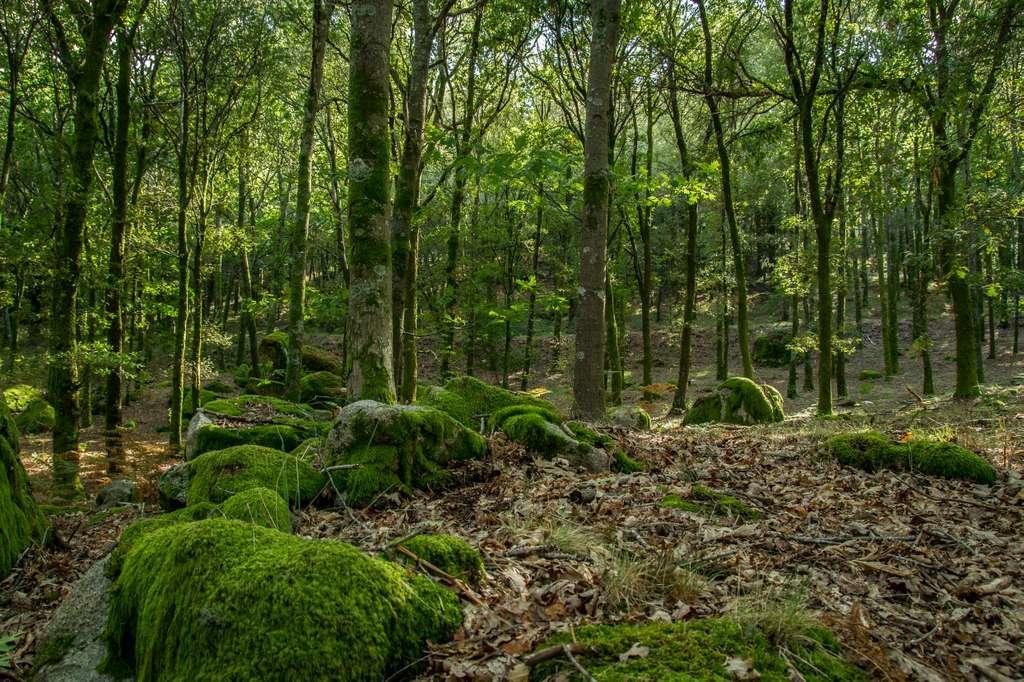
(471, 402)
(630, 417)
(37, 417)
(120, 491)
(535, 428)
(452, 555)
(737, 400)
(322, 389)
(21, 521)
(198, 422)
(278, 436)
(172, 487)
(383, 447)
(259, 506)
(216, 476)
(872, 451)
(221, 599)
(274, 348)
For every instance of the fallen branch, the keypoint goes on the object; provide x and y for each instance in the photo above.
(920, 400)
(545, 551)
(550, 652)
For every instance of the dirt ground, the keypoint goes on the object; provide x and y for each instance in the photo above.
(919, 577)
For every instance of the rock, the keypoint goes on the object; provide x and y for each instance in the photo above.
(236, 601)
(737, 400)
(71, 646)
(322, 389)
(21, 521)
(534, 428)
(630, 417)
(172, 487)
(260, 506)
(274, 347)
(37, 417)
(278, 436)
(384, 447)
(216, 476)
(199, 420)
(120, 491)
(471, 402)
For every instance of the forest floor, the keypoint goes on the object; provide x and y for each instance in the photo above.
(921, 578)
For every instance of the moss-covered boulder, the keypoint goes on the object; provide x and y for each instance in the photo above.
(770, 348)
(278, 436)
(535, 428)
(471, 401)
(172, 487)
(322, 389)
(872, 451)
(21, 522)
(260, 506)
(274, 348)
(630, 417)
(205, 396)
(255, 409)
(379, 447)
(37, 417)
(265, 387)
(216, 476)
(737, 400)
(220, 599)
(310, 450)
(133, 533)
(453, 555)
(704, 649)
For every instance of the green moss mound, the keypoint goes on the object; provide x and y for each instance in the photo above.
(274, 348)
(322, 389)
(307, 421)
(770, 349)
(872, 451)
(309, 450)
(585, 434)
(139, 529)
(19, 396)
(220, 599)
(737, 400)
(259, 506)
(205, 396)
(21, 521)
(37, 417)
(870, 375)
(704, 500)
(540, 435)
(318, 360)
(383, 447)
(498, 419)
(452, 555)
(470, 401)
(698, 650)
(624, 464)
(277, 436)
(265, 387)
(216, 476)
(219, 387)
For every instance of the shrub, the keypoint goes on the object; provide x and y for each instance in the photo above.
(221, 599)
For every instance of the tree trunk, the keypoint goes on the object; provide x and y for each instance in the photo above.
(369, 203)
(588, 387)
(524, 382)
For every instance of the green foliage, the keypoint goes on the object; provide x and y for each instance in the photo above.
(8, 644)
(703, 500)
(698, 650)
(452, 555)
(21, 521)
(873, 451)
(19, 396)
(738, 400)
(221, 599)
(771, 349)
(277, 436)
(869, 375)
(470, 401)
(216, 476)
(260, 506)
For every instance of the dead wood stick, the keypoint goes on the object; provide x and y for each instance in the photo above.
(576, 664)
(546, 551)
(553, 652)
(840, 539)
(462, 588)
(920, 400)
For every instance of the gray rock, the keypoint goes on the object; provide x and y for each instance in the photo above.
(121, 491)
(73, 638)
(630, 417)
(198, 421)
(172, 488)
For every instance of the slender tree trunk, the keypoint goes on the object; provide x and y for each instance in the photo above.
(369, 203)
(299, 237)
(841, 290)
(181, 322)
(197, 306)
(532, 309)
(588, 387)
(614, 356)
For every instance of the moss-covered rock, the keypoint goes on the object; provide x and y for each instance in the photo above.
(37, 417)
(278, 436)
(585, 434)
(216, 476)
(306, 420)
(630, 417)
(322, 389)
(699, 650)
(498, 418)
(274, 348)
(550, 439)
(737, 400)
(624, 464)
(265, 387)
(872, 451)
(260, 506)
(139, 529)
(21, 521)
(220, 599)
(172, 487)
(870, 375)
(452, 555)
(471, 401)
(205, 396)
(704, 500)
(19, 396)
(310, 450)
(319, 360)
(395, 446)
(770, 349)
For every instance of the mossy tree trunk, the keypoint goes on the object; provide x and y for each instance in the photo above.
(369, 203)
(322, 11)
(588, 385)
(83, 74)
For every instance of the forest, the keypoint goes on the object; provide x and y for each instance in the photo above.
(512, 340)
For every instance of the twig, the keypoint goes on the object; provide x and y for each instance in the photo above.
(920, 401)
(572, 659)
(550, 652)
(462, 588)
(341, 467)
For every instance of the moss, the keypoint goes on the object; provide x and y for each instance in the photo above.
(703, 500)
(585, 434)
(139, 529)
(322, 389)
(318, 360)
(306, 421)
(625, 464)
(403, 446)
(265, 387)
(498, 418)
(470, 401)
(770, 350)
(872, 451)
(277, 436)
(260, 506)
(205, 396)
(19, 396)
(698, 650)
(453, 555)
(217, 475)
(241, 375)
(274, 348)
(309, 450)
(630, 417)
(221, 599)
(539, 435)
(738, 400)
(37, 417)
(869, 375)
(21, 521)
(219, 387)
